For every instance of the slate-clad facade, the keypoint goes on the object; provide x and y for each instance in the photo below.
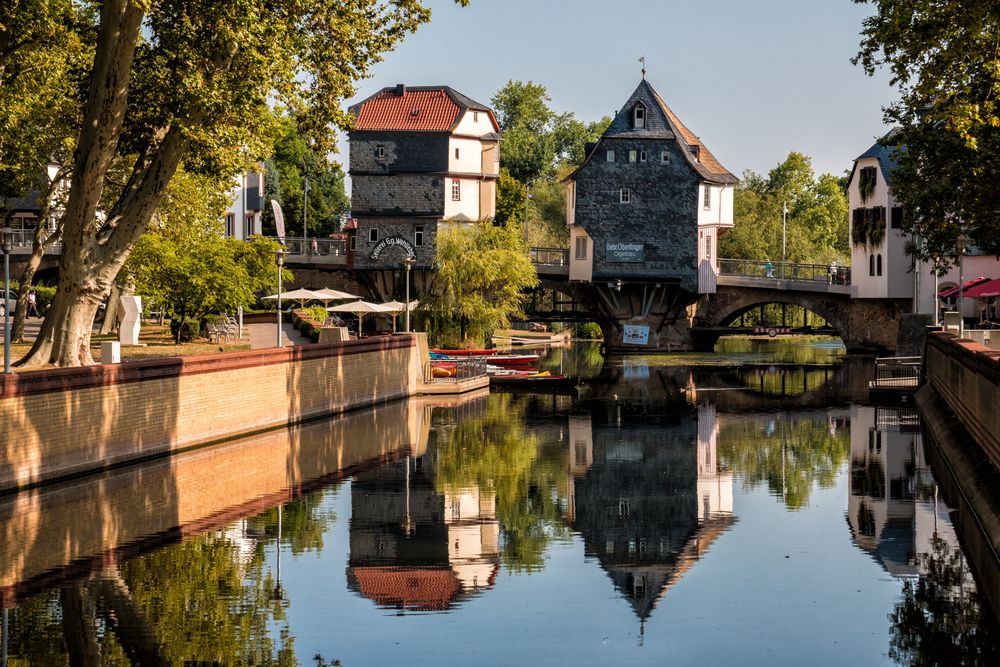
(649, 200)
(420, 157)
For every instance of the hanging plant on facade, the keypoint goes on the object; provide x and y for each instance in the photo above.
(868, 226)
(866, 183)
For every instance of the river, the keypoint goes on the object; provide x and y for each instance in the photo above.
(744, 507)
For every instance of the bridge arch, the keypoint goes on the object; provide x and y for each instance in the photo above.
(745, 301)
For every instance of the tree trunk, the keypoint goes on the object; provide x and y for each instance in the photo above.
(129, 622)
(17, 327)
(79, 625)
(110, 323)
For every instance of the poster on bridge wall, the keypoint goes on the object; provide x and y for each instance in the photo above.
(634, 334)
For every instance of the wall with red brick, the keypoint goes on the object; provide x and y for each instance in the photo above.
(61, 422)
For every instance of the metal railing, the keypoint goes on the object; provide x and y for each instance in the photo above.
(25, 238)
(465, 369)
(897, 372)
(316, 247)
(813, 273)
(550, 256)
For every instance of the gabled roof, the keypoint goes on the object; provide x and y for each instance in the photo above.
(415, 109)
(885, 151)
(662, 123)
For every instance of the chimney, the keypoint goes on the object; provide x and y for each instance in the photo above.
(400, 89)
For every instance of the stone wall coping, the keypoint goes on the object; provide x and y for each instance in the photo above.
(102, 375)
(975, 356)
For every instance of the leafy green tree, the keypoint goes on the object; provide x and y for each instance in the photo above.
(481, 273)
(187, 264)
(293, 162)
(193, 81)
(943, 57)
(510, 200)
(817, 215)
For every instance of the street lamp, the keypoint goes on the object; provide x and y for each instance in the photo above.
(784, 236)
(6, 246)
(961, 244)
(279, 259)
(409, 261)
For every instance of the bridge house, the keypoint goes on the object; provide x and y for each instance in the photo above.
(420, 157)
(649, 201)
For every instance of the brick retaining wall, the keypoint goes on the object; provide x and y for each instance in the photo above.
(967, 376)
(57, 423)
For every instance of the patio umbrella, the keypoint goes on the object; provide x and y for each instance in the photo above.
(399, 307)
(328, 295)
(300, 295)
(359, 308)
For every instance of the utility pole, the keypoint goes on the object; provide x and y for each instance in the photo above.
(305, 216)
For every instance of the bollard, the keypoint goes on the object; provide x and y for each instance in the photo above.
(111, 352)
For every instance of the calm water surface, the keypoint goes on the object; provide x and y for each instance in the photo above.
(739, 508)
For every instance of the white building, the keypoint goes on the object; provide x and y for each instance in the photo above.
(243, 217)
(880, 265)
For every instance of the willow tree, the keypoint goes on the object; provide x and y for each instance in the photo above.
(195, 80)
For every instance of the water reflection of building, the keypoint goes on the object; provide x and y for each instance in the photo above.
(894, 510)
(415, 548)
(648, 499)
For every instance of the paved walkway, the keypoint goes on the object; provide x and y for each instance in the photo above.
(263, 335)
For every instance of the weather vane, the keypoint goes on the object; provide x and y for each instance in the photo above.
(642, 59)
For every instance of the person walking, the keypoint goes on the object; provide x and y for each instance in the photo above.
(768, 269)
(33, 304)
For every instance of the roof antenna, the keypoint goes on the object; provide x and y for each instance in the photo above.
(642, 59)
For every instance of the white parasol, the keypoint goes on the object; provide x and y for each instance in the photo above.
(359, 308)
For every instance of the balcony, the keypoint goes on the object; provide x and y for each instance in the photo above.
(316, 251)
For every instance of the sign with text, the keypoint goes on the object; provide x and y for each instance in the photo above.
(624, 251)
(279, 220)
(634, 334)
(392, 242)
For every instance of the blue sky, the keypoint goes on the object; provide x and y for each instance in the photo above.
(754, 79)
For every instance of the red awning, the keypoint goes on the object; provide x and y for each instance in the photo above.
(953, 291)
(987, 290)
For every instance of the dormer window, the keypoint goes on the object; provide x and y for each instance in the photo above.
(696, 152)
(639, 117)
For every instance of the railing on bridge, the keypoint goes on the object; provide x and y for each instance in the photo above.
(465, 369)
(897, 372)
(316, 249)
(549, 256)
(24, 239)
(812, 273)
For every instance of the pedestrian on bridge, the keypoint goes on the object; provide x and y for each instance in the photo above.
(768, 269)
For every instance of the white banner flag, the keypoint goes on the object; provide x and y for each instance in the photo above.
(279, 220)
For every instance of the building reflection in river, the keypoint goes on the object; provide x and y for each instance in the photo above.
(415, 549)
(647, 500)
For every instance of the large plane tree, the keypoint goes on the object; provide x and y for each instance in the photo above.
(194, 81)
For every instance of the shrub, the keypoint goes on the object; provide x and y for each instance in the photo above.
(184, 332)
(589, 331)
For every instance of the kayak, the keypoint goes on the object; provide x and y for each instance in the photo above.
(466, 353)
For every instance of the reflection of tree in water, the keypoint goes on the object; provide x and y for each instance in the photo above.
(790, 455)
(940, 619)
(209, 600)
(304, 522)
(493, 452)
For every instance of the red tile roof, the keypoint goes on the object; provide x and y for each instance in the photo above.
(417, 588)
(423, 109)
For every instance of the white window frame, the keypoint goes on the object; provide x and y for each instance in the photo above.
(373, 235)
(639, 117)
(708, 246)
(610, 155)
(456, 190)
(642, 156)
(248, 225)
(633, 155)
(418, 235)
(475, 116)
(707, 199)
(625, 196)
(581, 248)
(380, 151)
(665, 156)
(230, 225)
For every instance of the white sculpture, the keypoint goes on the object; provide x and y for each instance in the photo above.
(128, 333)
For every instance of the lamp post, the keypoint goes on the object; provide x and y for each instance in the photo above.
(6, 245)
(279, 259)
(527, 198)
(784, 229)
(960, 244)
(408, 262)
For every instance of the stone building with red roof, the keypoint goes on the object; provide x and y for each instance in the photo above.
(420, 157)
